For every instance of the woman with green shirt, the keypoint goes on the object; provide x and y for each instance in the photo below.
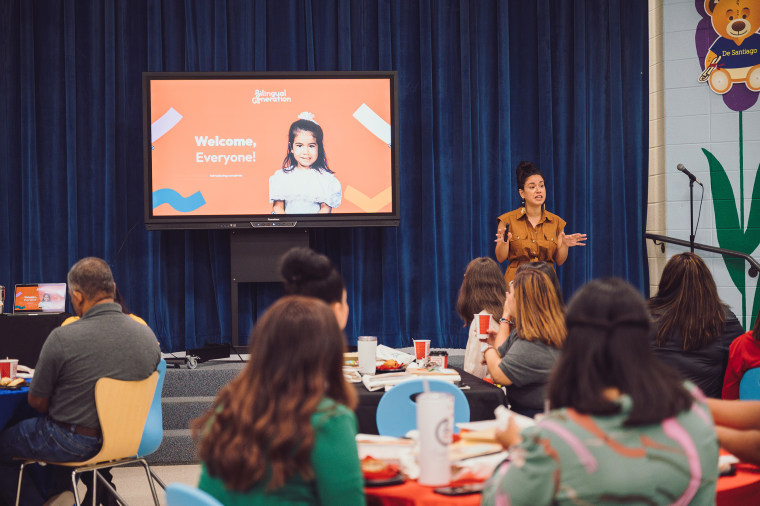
(283, 431)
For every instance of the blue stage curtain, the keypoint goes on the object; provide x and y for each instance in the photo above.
(483, 85)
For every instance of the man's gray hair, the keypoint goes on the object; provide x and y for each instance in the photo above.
(92, 276)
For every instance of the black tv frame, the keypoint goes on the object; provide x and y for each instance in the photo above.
(269, 221)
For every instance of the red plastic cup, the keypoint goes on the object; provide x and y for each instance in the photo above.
(422, 348)
(484, 323)
(8, 368)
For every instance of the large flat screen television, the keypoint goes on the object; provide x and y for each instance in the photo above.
(247, 150)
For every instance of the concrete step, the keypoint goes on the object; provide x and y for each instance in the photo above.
(186, 395)
(179, 412)
(177, 447)
(205, 380)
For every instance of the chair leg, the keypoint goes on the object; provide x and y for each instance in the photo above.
(110, 488)
(77, 500)
(159, 480)
(20, 476)
(150, 480)
(95, 476)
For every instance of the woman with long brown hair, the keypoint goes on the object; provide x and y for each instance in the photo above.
(483, 291)
(693, 327)
(523, 360)
(283, 430)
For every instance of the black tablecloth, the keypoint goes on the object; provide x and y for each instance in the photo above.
(22, 336)
(482, 396)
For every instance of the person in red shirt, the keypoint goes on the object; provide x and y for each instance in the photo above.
(743, 354)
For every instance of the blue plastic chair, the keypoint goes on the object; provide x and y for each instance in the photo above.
(397, 411)
(153, 433)
(179, 494)
(749, 387)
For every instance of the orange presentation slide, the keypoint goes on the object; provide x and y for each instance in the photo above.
(217, 142)
(44, 297)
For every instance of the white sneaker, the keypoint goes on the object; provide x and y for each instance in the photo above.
(63, 499)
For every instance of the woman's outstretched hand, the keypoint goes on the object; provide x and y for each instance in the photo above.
(571, 240)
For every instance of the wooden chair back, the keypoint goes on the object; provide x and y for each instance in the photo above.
(123, 407)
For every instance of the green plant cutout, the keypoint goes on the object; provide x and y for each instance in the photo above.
(730, 230)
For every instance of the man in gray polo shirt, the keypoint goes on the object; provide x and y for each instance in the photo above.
(104, 343)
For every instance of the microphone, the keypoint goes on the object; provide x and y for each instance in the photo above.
(691, 176)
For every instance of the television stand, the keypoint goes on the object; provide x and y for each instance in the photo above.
(254, 255)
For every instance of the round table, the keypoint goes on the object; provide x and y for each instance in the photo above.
(13, 405)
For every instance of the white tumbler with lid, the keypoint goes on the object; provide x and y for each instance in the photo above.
(367, 347)
(435, 423)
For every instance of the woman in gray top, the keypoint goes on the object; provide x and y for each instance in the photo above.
(522, 360)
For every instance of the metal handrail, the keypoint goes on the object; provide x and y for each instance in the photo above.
(754, 266)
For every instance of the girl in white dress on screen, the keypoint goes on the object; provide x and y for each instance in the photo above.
(304, 184)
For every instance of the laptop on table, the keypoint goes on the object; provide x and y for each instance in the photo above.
(39, 298)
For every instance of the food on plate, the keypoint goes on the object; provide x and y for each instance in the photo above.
(8, 382)
(372, 465)
(374, 469)
(351, 359)
(390, 365)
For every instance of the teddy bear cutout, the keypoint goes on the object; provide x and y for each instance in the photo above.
(734, 57)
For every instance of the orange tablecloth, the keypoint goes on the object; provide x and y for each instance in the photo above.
(741, 489)
(412, 493)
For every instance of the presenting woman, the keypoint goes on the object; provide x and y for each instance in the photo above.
(531, 233)
(624, 428)
(282, 432)
(523, 359)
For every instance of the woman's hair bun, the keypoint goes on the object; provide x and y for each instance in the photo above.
(524, 170)
(307, 272)
(300, 265)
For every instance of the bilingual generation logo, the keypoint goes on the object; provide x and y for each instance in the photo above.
(265, 96)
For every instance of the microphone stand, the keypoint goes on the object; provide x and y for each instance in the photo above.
(691, 214)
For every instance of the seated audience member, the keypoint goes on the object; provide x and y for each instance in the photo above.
(104, 343)
(105, 498)
(523, 359)
(306, 272)
(743, 354)
(548, 269)
(693, 328)
(624, 427)
(283, 430)
(483, 291)
(738, 426)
